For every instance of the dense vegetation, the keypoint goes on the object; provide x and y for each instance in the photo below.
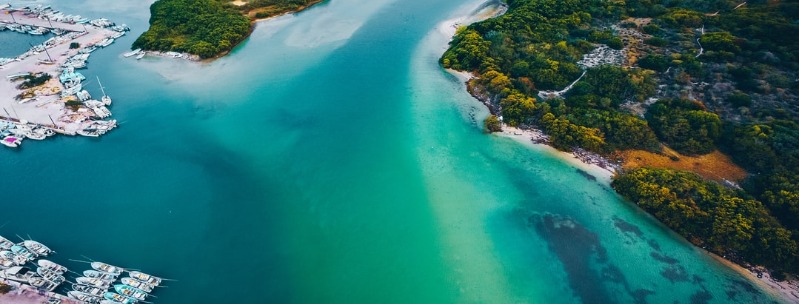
(30, 81)
(697, 75)
(712, 216)
(685, 125)
(206, 28)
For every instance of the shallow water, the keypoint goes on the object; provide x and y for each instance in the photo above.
(329, 159)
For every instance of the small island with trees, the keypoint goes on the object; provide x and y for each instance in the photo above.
(208, 28)
(691, 79)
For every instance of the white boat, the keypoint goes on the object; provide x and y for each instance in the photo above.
(8, 259)
(93, 282)
(137, 284)
(5, 244)
(17, 260)
(38, 31)
(50, 275)
(86, 298)
(17, 273)
(149, 279)
(39, 133)
(41, 283)
(23, 253)
(105, 276)
(132, 53)
(89, 290)
(11, 141)
(106, 42)
(130, 292)
(6, 263)
(118, 298)
(36, 247)
(141, 55)
(105, 99)
(100, 266)
(52, 266)
(88, 133)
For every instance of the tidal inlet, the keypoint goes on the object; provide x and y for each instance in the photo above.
(387, 151)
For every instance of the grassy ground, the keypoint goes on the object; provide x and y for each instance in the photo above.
(714, 166)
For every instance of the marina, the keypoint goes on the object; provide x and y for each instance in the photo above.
(22, 270)
(42, 93)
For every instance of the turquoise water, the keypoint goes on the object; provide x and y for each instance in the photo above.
(14, 44)
(330, 160)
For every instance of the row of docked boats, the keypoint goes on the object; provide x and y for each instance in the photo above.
(12, 133)
(24, 29)
(15, 256)
(97, 286)
(102, 284)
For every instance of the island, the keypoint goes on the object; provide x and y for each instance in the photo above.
(208, 28)
(692, 103)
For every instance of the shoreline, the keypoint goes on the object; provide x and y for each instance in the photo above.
(59, 104)
(536, 139)
(601, 168)
(787, 290)
(253, 24)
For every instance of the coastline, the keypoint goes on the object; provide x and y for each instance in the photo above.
(44, 109)
(787, 290)
(601, 168)
(536, 140)
(253, 24)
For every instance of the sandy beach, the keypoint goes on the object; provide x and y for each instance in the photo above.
(788, 290)
(531, 138)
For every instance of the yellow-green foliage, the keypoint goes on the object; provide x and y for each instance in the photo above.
(201, 27)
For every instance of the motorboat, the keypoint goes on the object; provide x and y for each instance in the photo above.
(86, 298)
(50, 275)
(131, 53)
(15, 259)
(105, 276)
(146, 287)
(89, 290)
(5, 244)
(17, 273)
(118, 298)
(93, 282)
(11, 141)
(149, 279)
(23, 252)
(47, 264)
(36, 247)
(130, 292)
